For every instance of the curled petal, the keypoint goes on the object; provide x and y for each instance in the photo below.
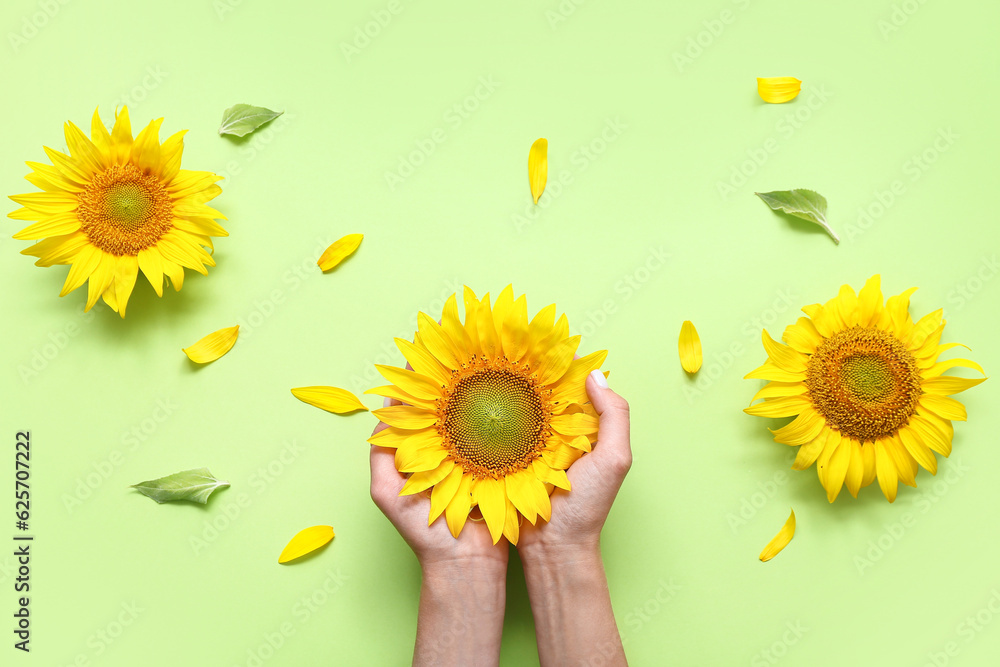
(780, 540)
(538, 167)
(778, 89)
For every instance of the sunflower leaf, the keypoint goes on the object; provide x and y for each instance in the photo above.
(804, 204)
(240, 120)
(195, 485)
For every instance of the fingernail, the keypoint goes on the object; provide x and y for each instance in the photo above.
(386, 402)
(599, 379)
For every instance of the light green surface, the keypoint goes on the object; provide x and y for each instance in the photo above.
(686, 584)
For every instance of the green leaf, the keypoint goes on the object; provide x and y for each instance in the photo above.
(241, 119)
(195, 485)
(804, 204)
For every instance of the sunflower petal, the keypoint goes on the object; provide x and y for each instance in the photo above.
(943, 406)
(489, 495)
(213, 346)
(339, 251)
(781, 540)
(804, 428)
(553, 476)
(689, 347)
(339, 401)
(945, 385)
(421, 481)
(778, 89)
(538, 167)
(888, 477)
(305, 542)
(787, 406)
(458, 509)
(443, 493)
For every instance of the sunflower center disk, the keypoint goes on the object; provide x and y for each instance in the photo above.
(864, 382)
(494, 422)
(124, 210)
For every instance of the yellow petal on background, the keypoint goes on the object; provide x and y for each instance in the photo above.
(213, 346)
(306, 541)
(780, 540)
(331, 399)
(689, 346)
(538, 167)
(339, 251)
(778, 89)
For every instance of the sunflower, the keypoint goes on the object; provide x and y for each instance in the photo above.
(117, 205)
(494, 411)
(868, 393)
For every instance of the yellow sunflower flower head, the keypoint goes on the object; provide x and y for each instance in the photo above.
(116, 206)
(493, 411)
(866, 388)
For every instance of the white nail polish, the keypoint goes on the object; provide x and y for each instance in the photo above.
(386, 402)
(599, 379)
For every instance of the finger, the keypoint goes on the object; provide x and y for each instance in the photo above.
(613, 444)
(385, 477)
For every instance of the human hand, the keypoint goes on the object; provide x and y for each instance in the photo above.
(432, 544)
(463, 592)
(578, 515)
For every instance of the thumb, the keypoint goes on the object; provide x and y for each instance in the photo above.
(613, 445)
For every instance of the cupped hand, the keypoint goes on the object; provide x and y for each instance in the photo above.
(578, 515)
(432, 544)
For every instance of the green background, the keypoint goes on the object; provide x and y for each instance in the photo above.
(895, 95)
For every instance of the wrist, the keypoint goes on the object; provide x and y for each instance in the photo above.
(562, 554)
(480, 569)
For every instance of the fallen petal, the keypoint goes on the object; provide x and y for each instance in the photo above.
(780, 540)
(339, 251)
(538, 167)
(331, 399)
(306, 541)
(778, 89)
(689, 346)
(213, 346)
